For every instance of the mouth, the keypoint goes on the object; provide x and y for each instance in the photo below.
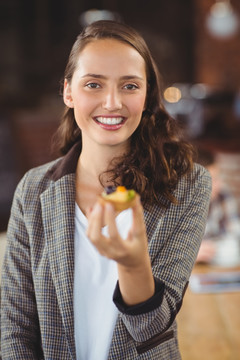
(110, 120)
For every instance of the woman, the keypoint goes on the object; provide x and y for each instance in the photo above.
(68, 255)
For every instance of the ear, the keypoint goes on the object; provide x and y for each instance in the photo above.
(146, 100)
(67, 94)
(145, 106)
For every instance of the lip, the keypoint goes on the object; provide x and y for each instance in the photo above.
(110, 122)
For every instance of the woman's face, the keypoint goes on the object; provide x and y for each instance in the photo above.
(107, 92)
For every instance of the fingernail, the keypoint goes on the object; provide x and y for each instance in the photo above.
(109, 207)
(97, 208)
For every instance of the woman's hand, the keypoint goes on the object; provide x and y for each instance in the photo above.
(131, 254)
(128, 252)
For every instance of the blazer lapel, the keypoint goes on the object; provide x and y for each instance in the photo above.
(58, 211)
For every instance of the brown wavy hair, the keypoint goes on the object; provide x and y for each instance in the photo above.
(158, 157)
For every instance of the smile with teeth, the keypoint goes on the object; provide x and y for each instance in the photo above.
(110, 120)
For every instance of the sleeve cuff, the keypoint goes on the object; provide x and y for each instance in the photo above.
(141, 308)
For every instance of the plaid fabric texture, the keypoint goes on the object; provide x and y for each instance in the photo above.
(37, 320)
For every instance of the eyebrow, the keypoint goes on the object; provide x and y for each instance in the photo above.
(125, 77)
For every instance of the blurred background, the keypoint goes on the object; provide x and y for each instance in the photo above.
(196, 44)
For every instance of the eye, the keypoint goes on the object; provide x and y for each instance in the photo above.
(93, 85)
(131, 87)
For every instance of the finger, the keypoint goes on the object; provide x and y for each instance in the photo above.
(110, 218)
(95, 223)
(138, 218)
(89, 211)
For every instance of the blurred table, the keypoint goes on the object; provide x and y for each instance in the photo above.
(209, 324)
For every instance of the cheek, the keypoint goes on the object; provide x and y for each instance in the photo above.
(83, 105)
(137, 106)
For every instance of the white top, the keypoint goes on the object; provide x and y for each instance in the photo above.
(95, 279)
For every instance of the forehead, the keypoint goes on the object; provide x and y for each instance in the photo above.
(109, 53)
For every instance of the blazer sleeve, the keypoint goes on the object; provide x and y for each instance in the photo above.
(173, 247)
(19, 321)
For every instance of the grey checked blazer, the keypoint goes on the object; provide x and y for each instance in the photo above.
(37, 320)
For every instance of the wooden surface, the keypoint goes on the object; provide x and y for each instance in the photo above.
(209, 325)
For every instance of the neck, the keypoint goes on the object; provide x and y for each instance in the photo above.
(94, 160)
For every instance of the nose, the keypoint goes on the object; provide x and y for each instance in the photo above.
(112, 100)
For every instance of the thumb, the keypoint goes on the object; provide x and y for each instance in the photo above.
(138, 226)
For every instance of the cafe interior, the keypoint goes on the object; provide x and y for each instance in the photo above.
(196, 45)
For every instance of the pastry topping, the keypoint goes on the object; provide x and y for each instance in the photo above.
(119, 194)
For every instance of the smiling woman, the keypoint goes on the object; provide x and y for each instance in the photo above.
(81, 279)
(107, 92)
